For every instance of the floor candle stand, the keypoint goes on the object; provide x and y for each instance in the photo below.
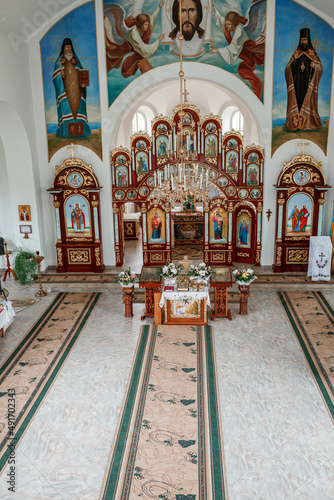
(38, 259)
(9, 270)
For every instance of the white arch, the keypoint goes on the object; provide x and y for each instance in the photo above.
(20, 182)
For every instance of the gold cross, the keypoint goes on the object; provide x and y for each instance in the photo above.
(72, 148)
(303, 144)
(268, 212)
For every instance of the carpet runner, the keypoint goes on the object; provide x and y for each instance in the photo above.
(168, 444)
(312, 319)
(28, 373)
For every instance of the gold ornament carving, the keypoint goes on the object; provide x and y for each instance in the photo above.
(56, 204)
(297, 255)
(79, 256)
(157, 257)
(218, 257)
(60, 256)
(97, 256)
(242, 254)
(95, 203)
(321, 201)
(279, 256)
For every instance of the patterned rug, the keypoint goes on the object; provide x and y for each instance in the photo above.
(312, 319)
(168, 443)
(28, 373)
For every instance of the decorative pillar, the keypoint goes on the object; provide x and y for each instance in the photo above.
(198, 137)
(128, 294)
(95, 204)
(56, 204)
(202, 143)
(321, 215)
(149, 159)
(281, 203)
(153, 143)
(219, 142)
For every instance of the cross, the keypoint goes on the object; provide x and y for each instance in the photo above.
(321, 256)
(268, 212)
(303, 144)
(72, 148)
(185, 93)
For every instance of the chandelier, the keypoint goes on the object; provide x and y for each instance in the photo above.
(182, 180)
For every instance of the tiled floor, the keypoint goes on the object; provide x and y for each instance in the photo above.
(278, 436)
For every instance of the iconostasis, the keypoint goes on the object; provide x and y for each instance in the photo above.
(227, 227)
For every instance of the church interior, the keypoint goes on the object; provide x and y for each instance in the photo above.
(122, 147)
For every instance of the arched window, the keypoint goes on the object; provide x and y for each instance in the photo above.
(139, 123)
(237, 122)
(142, 120)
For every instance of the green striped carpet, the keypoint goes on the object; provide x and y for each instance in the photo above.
(312, 319)
(28, 373)
(168, 444)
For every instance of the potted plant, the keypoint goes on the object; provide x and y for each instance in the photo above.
(127, 278)
(24, 267)
(170, 272)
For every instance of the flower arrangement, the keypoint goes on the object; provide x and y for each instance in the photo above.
(244, 276)
(127, 278)
(202, 271)
(170, 271)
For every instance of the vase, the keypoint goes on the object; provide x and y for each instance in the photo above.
(170, 281)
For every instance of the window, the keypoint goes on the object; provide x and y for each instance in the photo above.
(237, 122)
(139, 122)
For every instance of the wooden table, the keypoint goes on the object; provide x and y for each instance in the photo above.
(221, 280)
(150, 280)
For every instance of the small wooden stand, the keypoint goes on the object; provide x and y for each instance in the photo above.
(9, 270)
(38, 259)
(128, 294)
(243, 297)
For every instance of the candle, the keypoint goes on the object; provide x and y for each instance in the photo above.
(188, 142)
(207, 178)
(184, 182)
(196, 172)
(201, 180)
(172, 181)
(180, 174)
(160, 179)
(155, 179)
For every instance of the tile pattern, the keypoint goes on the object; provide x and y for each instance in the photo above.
(278, 436)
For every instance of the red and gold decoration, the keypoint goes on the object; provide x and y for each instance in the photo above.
(76, 199)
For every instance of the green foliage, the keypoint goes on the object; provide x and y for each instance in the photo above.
(24, 267)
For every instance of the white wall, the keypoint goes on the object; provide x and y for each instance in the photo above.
(25, 158)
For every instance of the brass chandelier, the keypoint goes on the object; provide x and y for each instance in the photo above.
(183, 179)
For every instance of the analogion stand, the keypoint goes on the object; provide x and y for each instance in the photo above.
(150, 280)
(221, 280)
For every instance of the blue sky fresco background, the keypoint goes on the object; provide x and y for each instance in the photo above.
(290, 18)
(79, 25)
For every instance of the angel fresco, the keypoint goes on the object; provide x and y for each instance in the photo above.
(246, 40)
(125, 34)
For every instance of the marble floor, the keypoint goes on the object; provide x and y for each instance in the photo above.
(278, 435)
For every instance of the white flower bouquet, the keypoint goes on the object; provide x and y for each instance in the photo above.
(202, 271)
(244, 276)
(127, 278)
(170, 271)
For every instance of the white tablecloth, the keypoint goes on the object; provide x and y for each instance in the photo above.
(184, 295)
(320, 257)
(6, 314)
